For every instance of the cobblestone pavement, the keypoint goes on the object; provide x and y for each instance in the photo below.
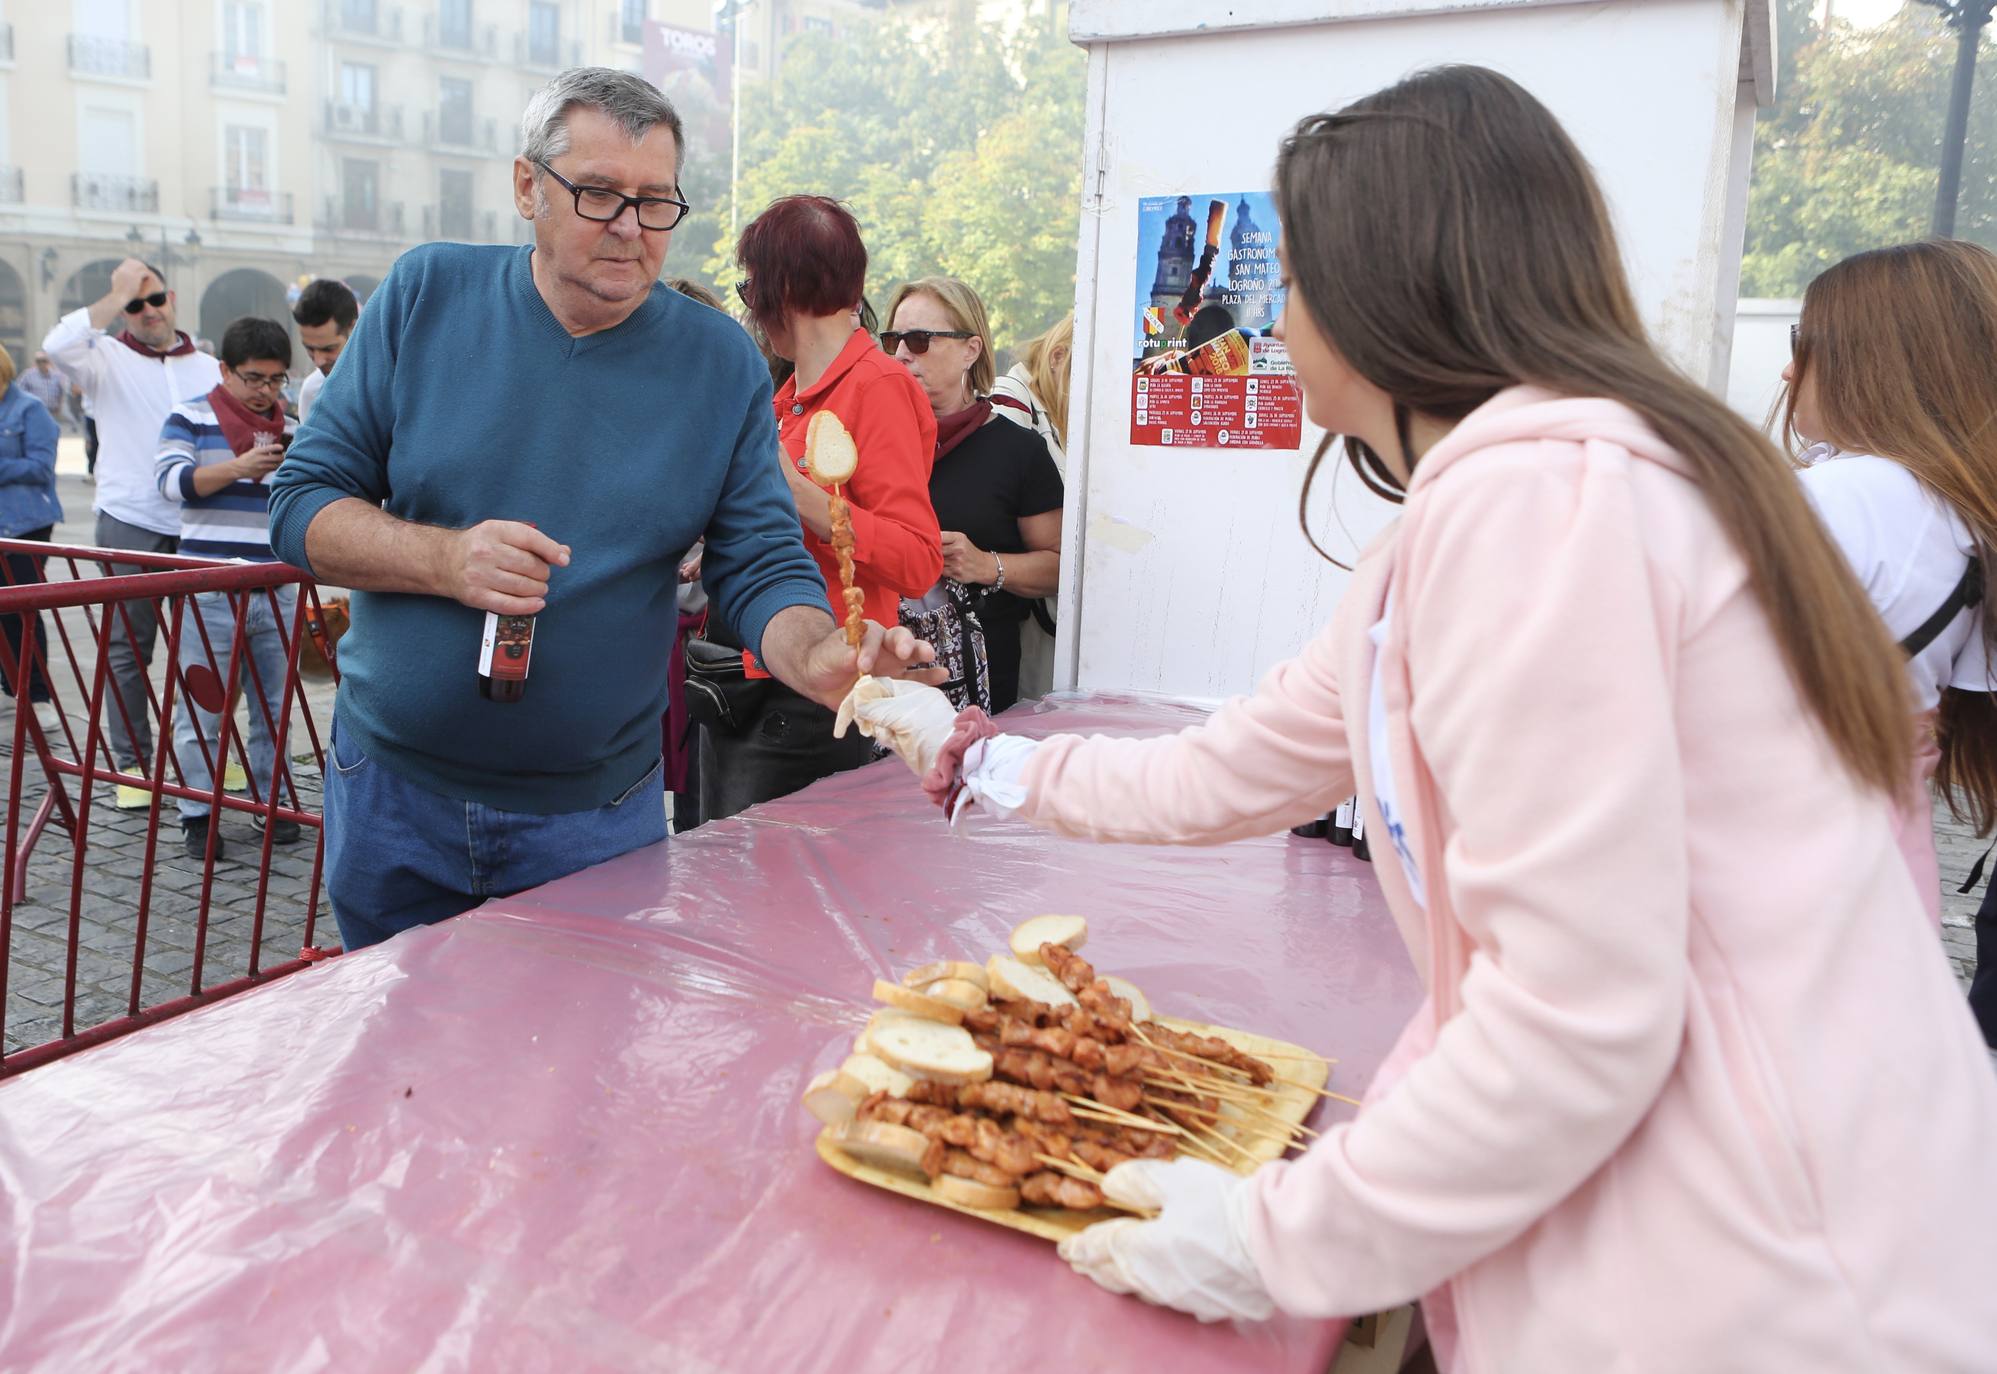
(114, 865)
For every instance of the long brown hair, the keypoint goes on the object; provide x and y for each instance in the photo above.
(1898, 344)
(1449, 241)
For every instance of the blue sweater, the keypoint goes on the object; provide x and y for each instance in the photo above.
(460, 398)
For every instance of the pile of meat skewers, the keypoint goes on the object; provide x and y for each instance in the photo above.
(1024, 1081)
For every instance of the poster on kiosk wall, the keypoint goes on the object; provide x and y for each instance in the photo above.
(1205, 371)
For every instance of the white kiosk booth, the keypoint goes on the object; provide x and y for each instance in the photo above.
(1185, 571)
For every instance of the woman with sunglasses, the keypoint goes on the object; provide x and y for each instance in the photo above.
(805, 268)
(1889, 386)
(1691, 1089)
(995, 487)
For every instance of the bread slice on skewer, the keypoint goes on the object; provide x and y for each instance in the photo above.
(874, 1075)
(1011, 978)
(920, 978)
(829, 453)
(884, 1145)
(932, 1050)
(968, 1192)
(917, 1003)
(1072, 932)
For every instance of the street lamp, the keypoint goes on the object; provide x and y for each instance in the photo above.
(729, 13)
(1968, 18)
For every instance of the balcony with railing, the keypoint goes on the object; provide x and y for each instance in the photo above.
(548, 54)
(378, 218)
(249, 205)
(93, 56)
(460, 134)
(105, 191)
(462, 226)
(13, 186)
(364, 123)
(246, 71)
(460, 40)
(363, 21)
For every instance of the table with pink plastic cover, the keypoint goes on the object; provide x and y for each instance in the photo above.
(563, 1131)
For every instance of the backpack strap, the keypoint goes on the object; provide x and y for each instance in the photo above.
(1968, 592)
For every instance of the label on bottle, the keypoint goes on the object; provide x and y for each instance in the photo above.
(505, 648)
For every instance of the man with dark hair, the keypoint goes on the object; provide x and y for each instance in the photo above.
(214, 453)
(130, 381)
(325, 315)
(607, 423)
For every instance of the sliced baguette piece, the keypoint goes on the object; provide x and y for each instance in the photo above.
(875, 1076)
(932, 1050)
(1029, 936)
(958, 992)
(1011, 978)
(913, 1002)
(828, 450)
(1140, 1005)
(884, 1145)
(833, 1097)
(881, 1017)
(920, 978)
(968, 1192)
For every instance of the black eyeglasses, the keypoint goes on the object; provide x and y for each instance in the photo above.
(1795, 336)
(742, 290)
(156, 300)
(601, 204)
(918, 339)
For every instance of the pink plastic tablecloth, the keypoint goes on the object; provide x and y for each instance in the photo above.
(562, 1132)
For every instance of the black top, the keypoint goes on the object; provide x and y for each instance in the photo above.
(983, 488)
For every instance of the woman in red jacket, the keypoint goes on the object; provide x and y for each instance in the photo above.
(804, 268)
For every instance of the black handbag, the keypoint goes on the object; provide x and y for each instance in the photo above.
(720, 694)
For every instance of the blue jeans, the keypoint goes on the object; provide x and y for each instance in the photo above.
(399, 855)
(263, 635)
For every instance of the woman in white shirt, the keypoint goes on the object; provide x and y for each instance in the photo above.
(1891, 386)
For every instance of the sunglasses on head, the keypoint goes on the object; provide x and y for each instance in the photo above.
(918, 339)
(135, 305)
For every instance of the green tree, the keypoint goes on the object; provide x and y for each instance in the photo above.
(958, 147)
(1847, 160)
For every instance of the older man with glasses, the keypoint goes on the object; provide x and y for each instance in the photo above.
(609, 424)
(131, 379)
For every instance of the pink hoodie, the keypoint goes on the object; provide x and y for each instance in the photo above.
(1693, 1089)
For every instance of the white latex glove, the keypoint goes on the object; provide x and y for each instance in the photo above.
(908, 717)
(1194, 1257)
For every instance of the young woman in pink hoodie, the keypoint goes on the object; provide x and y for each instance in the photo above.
(1693, 1088)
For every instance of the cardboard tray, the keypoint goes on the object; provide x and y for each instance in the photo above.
(1295, 1080)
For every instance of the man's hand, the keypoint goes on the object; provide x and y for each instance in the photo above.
(253, 465)
(831, 667)
(965, 562)
(128, 280)
(499, 565)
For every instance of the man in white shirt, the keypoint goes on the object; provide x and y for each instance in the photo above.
(325, 314)
(131, 379)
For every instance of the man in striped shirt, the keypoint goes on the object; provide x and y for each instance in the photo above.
(215, 451)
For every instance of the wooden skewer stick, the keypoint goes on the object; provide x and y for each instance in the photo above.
(1253, 1130)
(1211, 1064)
(1118, 1116)
(1191, 1145)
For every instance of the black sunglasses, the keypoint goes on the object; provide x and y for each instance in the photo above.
(156, 300)
(1795, 337)
(918, 339)
(601, 204)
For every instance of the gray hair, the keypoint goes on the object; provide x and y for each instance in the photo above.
(626, 97)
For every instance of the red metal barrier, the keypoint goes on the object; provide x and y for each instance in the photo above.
(84, 611)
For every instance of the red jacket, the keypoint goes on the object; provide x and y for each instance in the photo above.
(897, 545)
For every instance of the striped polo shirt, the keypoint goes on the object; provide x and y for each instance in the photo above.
(233, 522)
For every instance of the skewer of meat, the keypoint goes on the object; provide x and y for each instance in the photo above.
(1049, 1189)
